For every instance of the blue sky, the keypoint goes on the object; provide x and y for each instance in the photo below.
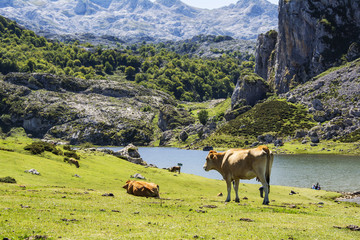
(210, 4)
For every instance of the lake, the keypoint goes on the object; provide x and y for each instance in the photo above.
(333, 172)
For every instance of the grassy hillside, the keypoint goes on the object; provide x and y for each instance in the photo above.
(57, 204)
(274, 116)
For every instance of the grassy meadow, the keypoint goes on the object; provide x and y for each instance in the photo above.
(57, 205)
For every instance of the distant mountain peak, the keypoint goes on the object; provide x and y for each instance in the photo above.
(169, 3)
(141, 19)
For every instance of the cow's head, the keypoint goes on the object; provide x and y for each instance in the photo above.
(211, 157)
(127, 184)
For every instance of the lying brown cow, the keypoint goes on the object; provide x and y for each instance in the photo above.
(236, 164)
(175, 169)
(142, 189)
(72, 161)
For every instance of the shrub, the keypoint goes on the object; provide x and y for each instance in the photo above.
(203, 116)
(72, 154)
(40, 147)
(7, 180)
(67, 148)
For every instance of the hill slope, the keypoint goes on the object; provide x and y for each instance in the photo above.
(56, 204)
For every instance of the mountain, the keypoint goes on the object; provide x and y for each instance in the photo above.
(142, 19)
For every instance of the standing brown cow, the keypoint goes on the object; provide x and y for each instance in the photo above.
(236, 164)
(143, 189)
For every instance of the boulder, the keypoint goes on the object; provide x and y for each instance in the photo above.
(183, 136)
(32, 171)
(300, 133)
(317, 105)
(266, 138)
(353, 52)
(137, 175)
(250, 88)
(278, 143)
(131, 154)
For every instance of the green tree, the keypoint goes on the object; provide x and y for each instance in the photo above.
(203, 116)
(108, 68)
(130, 72)
(31, 65)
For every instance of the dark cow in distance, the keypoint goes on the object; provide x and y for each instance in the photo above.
(142, 189)
(175, 169)
(72, 161)
(236, 164)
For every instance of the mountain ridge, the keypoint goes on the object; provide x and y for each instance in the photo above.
(162, 19)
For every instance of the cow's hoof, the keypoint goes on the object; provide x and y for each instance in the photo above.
(237, 200)
(261, 189)
(227, 200)
(265, 202)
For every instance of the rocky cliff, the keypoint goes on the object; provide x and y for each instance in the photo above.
(313, 36)
(102, 112)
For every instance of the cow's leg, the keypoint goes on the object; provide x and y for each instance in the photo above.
(236, 188)
(228, 184)
(261, 189)
(265, 188)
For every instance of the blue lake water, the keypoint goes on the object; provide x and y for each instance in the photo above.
(333, 172)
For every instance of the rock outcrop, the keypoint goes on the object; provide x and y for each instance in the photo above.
(265, 53)
(333, 100)
(250, 88)
(102, 112)
(131, 154)
(171, 118)
(313, 36)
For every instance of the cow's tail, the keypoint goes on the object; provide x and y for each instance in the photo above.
(268, 165)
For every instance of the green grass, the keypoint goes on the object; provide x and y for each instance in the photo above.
(213, 109)
(60, 205)
(275, 116)
(324, 147)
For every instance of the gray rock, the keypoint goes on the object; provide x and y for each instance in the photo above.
(266, 138)
(249, 90)
(131, 154)
(265, 47)
(278, 143)
(300, 133)
(166, 137)
(315, 139)
(32, 171)
(137, 175)
(317, 105)
(183, 136)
